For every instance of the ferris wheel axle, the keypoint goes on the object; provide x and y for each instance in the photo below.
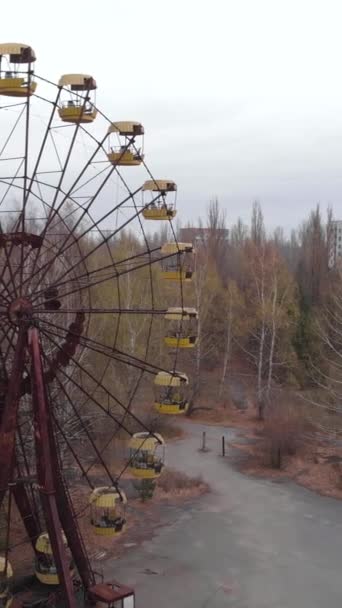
(20, 310)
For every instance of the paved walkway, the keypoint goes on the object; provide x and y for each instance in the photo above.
(248, 544)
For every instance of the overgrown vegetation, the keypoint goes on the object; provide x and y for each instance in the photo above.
(263, 297)
(268, 300)
(270, 304)
(174, 482)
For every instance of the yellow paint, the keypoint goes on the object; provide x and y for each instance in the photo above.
(126, 159)
(146, 442)
(173, 409)
(159, 213)
(76, 114)
(43, 544)
(15, 87)
(177, 275)
(144, 473)
(50, 579)
(107, 497)
(47, 579)
(187, 342)
(171, 248)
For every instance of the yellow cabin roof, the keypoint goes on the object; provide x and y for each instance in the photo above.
(3, 565)
(106, 497)
(43, 544)
(126, 127)
(78, 82)
(145, 441)
(160, 185)
(23, 52)
(169, 248)
(170, 379)
(178, 314)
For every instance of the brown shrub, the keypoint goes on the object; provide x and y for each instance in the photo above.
(175, 482)
(283, 430)
(336, 474)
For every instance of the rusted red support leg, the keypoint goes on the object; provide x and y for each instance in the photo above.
(24, 507)
(72, 533)
(67, 515)
(45, 469)
(10, 414)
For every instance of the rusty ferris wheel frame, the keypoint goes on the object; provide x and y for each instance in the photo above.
(49, 212)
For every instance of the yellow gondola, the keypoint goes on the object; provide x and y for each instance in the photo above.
(126, 154)
(159, 209)
(46, 570)
(6, 574)
(14, 81)
(182, 327)
(107, 511)
(177, 264)
(170, 393)
(146, 455)
(77, 105)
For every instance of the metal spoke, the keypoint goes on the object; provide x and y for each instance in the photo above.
(107, 391)
(78, 315)
(117, 355)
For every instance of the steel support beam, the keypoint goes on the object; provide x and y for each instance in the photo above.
(45, 469)
(24, 507)
(9, 416)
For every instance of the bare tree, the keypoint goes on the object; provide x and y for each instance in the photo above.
(258, 233)
(233, 306)
(271, 299)
(209, 276)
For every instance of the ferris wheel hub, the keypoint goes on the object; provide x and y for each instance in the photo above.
(19, 309)
(65, 336)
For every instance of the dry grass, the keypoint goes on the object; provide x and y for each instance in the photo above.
(295, 442)
(287, 447)
(173, 483)
(283, 432)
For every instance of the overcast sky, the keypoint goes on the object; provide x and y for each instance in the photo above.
(240, 99)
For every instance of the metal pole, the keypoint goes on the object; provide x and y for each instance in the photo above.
(45, 470)
(223, 446)
(203, 441)
(9, 414)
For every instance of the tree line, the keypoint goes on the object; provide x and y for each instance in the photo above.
(270, 299)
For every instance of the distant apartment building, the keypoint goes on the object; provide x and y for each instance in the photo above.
(198, 236)
(335, 244)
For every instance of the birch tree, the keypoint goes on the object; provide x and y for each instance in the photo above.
(233, 313)
(272, 304)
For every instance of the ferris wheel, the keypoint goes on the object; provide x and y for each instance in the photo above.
(84, 313)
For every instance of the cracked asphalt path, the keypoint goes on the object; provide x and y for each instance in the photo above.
(250, 543)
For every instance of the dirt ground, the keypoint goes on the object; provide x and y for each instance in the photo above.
(173, 488)
(315, 458)
(316, 463)
(316, 467)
